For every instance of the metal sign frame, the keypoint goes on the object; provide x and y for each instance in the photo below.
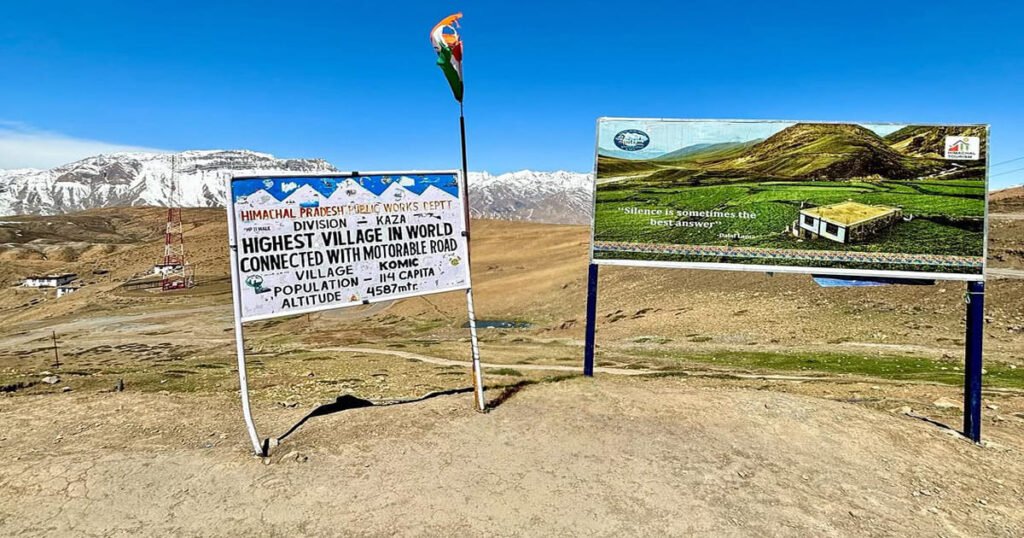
(260, 447)
(831, 271)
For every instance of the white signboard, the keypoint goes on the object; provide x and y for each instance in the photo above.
(309, 243)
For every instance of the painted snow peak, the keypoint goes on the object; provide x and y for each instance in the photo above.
(306, 244)
(902, 201)
(284, 188)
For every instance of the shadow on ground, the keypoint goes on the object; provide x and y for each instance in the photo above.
(346, 402)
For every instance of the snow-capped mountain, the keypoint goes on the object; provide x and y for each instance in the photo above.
(198, 179)
(553, 197)
(188, 179)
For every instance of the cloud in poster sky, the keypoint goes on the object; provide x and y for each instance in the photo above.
(289, 186)
(22, 146)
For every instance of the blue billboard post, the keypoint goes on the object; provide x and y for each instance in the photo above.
(588, 351)
(972, 359)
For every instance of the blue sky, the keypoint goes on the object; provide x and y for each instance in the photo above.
(354, 82)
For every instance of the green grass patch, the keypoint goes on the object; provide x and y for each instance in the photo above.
(896, 368)
(506, 371)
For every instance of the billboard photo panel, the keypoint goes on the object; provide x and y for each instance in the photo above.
(897, 200)
(311, 243)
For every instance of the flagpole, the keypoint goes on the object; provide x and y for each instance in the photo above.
(478, 381)
(465, 166)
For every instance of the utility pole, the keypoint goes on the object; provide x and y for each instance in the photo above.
(56, 356)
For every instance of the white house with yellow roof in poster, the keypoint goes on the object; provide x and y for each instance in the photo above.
(845, 222)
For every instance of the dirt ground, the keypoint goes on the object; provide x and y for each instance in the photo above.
(725, 403)
(574, 457)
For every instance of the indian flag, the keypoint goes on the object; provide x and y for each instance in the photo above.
(448, 46)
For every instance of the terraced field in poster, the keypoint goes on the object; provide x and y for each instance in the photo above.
(773, 193)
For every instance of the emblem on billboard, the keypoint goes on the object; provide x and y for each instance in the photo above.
(632, 140)
(256, 283)
(963, 148)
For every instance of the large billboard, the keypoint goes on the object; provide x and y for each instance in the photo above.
(309, 243)
(897, 200)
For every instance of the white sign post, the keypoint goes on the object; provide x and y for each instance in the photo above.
(301, 244)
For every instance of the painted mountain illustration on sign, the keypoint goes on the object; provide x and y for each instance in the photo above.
(806, 151)
(824, 151)
(705, 152)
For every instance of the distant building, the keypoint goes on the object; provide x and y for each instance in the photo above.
(164, 269)
(49, 281)
(845, 222)
(64, 290)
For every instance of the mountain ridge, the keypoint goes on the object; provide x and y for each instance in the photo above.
(197, 178)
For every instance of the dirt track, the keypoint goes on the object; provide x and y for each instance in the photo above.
(615, 456)
(999, 272)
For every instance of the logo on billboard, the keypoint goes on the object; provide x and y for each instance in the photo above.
(963, 148)
(632, 140)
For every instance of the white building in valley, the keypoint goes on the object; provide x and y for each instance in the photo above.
(49, 281)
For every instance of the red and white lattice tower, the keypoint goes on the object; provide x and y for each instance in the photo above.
(176, 271)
